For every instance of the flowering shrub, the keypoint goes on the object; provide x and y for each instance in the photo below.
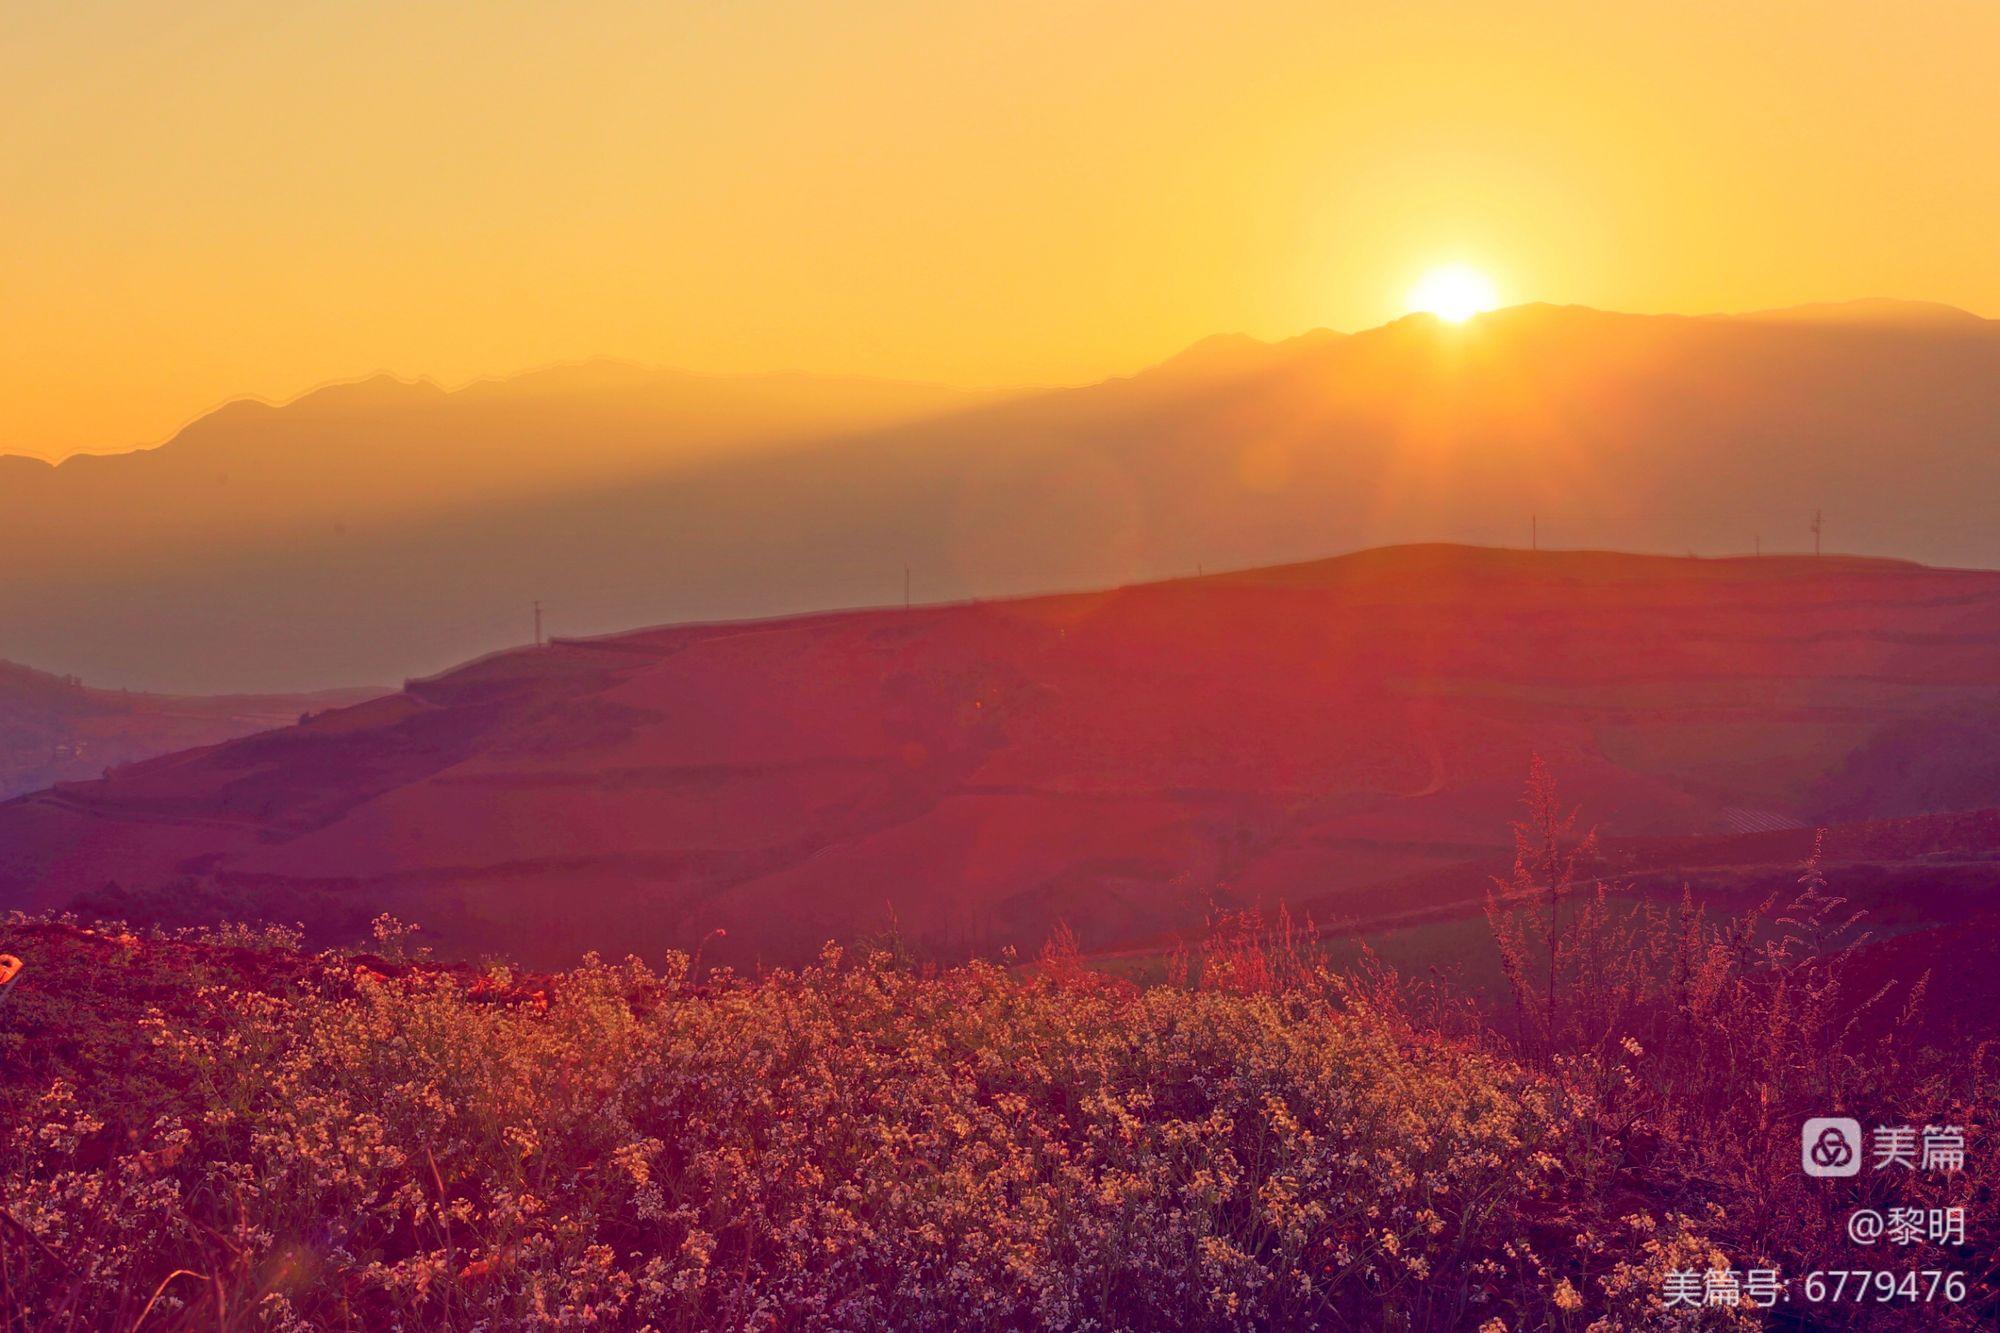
(207, 1129)
(853, 1145)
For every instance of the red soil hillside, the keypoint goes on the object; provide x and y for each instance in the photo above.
(1121, 761)
(57, 729)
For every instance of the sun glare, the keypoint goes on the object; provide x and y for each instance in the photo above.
(1454, 293)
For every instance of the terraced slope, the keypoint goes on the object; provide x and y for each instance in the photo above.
(1122, 761)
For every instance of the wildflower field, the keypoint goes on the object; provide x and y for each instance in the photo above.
(217, 1130)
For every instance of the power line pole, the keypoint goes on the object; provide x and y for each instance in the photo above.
(1534, 532)
(906, 585)
(538, 624)
(1815, 531)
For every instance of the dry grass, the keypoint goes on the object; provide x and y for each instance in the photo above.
(223, 1132)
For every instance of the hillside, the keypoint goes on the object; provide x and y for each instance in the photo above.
(56, 729)
(970, 775)
(382, 530)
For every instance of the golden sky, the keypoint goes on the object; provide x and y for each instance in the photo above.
(208, 198)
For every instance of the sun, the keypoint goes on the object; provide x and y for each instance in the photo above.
(1454, 293)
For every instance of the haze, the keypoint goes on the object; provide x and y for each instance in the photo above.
(380, 529)
(219, 198)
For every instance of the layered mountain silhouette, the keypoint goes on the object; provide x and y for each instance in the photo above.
(57, 729)
(384, 529)
(345, 535)
(1126, 762)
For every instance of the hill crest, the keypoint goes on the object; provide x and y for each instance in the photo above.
(1122, 760)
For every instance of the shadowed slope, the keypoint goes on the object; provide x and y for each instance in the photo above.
(57, 729)
(1122, 761)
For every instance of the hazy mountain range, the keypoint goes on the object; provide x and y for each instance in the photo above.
(383, 529)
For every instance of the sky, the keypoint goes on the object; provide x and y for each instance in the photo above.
(206, 199)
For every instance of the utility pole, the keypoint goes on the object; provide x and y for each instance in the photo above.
(1534, 532)
(538, 624)
(1815, 531)
(906, 585)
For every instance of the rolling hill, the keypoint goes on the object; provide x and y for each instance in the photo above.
(376, 531)
(1124, 761)
(57, 729)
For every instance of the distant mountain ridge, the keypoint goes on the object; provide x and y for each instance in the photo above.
(1880, 312)
(782, 399)
(1216, 351)
(384, 529)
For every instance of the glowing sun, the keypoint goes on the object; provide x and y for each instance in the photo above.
(1454, 293)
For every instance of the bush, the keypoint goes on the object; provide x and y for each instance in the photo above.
(212, 1129)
